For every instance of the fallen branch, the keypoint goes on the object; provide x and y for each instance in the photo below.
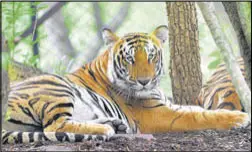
(221, 41)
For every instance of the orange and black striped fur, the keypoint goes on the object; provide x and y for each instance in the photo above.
(219, 92)
(116, 93)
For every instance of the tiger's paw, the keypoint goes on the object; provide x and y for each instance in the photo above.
(242, 120)
(109, 131)
(118, 126)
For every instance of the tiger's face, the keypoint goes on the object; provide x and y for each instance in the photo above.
(136, 59)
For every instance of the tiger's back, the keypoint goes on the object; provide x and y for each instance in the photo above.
(219, 92)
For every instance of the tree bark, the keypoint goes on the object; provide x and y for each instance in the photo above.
(221, 41)
(245, 48)
(185, 72)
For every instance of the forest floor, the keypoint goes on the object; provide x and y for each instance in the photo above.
(208, 140)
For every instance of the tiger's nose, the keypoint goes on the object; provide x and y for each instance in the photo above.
(144, 82)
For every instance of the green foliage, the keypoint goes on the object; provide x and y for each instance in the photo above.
(217, 59)
(16, 18)
(5, 60)
(246, 13)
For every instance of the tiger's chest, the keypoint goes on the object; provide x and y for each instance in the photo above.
(87, 106)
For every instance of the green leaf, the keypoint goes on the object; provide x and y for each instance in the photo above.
(214, 64)
(215, 53)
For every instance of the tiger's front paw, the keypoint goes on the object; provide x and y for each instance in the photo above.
(242, 120)
(108, 130)
(118, 126)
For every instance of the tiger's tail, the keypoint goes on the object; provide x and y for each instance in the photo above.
(14, 137)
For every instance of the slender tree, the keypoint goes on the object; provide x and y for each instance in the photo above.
(238, 81)
(35, 47)
(185, 72)
(232, 9)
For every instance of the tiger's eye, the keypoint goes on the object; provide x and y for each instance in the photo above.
(151, 56)
(130, 59)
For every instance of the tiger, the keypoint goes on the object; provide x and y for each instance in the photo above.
(219, 92)
(116, 93)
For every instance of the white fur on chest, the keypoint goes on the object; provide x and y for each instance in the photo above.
(84, 107)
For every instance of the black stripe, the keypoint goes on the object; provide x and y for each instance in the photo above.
(78, 137)
(43, 110)
(131, 43)
(60, 105)
(33, 101)
(44, 82)
(62, 79)
(61, 136)
(9, 105)
(92, 74)
(19, 137)
(89, 137)
(60, 90)
(100, 137)
(118, 61)
(228, 93)
(80, 79)
(93, 96)
(22, 95)
(173, 121)
(31, 137)
(56, 117)
(49, 93)
(158, 105)
(212, 97)
(112, 107)
(32, 87)
(44, 136)
(224, 104)
(22, 123)
(106, 108)
(135, 37)
(6, 135)
(26, 111)
(120, 114)
(77, 92)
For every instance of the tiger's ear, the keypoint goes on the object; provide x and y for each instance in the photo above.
(108, 36)
(161, 32)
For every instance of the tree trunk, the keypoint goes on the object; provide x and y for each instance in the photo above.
(245, 48)
(221, 41)
(185, 72)
(57, 35)
(35, 31)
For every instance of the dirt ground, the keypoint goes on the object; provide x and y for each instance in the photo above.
(208, 140)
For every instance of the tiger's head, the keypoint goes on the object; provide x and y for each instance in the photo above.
(136, 59)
